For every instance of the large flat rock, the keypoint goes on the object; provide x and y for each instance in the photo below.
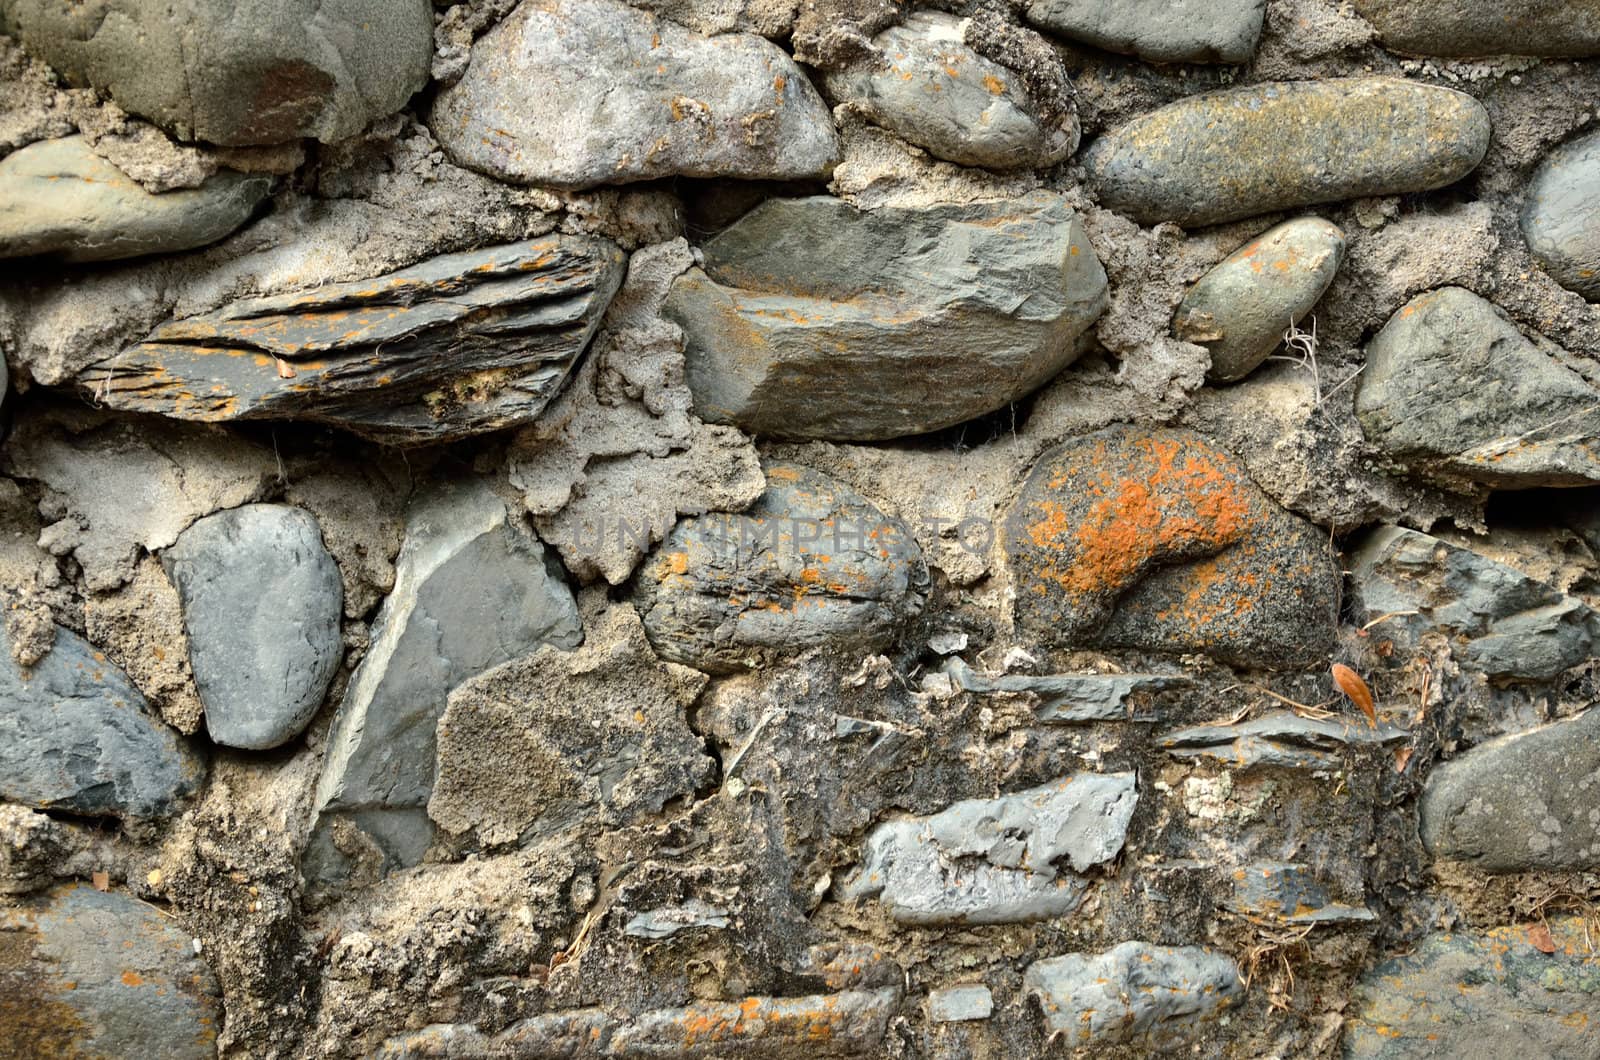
(1193, 31)
(1486, 27)
(1561, 217)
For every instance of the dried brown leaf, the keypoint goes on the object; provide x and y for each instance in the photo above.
(1402, 758)
(1351, 684)
(101, 880)
(1540, 939)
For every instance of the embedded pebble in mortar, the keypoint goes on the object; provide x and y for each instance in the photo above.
(1561, 218)
(58, 197)
(1486, 27)
(1066, 698)
(261, 604)
(1242, 307)
(1259, 148)
(939, 94)
(1193, 31)
(955, 1004)
(575, 93)
(1289, 894)
(1158, 996)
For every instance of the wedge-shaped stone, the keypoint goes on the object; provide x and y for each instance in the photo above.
(458, 345)
(1486, 27)
(1066, 698)
(1195, 31)
(1159, 996)
(1281, 740)
(1561, 219)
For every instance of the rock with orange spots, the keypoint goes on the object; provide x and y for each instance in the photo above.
(1161, 997)
(91, 974)
(1159, 541)
(575, 93)
(1454, 389)
(812, 564)
(1213, 31)
(814, 319)
(928, 87)
(1289, 894)
(1561, 218)
(458, 345)
(847, 1024)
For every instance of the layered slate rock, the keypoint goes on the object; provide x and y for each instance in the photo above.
(236, 74)
(1278, 145)
(930, 88)
(1068, 698)
(813, 563)
(86, 973)
(575, 93)
(1503, 622)
(473, 589)
(1510, 991)
(1288, 893)
(261, 604)
(1194, 31)
(460, 344)
(1485, 27)
(996, 861)
(1452, 388)
(813, 319)
(1159, 540)
(58, 197)
(1281, 740)
(1561, 218)
(1158, 996)
(77, 736)
(1242, 307)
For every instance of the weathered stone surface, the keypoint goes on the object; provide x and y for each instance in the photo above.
(261, 604)
(1485, 27)
(575, 93)
(1195, 31)
(458, 345)
(76, 736)
(1275, 146)
(1289, 894)
(1067, 698)
(812, 563)
(994, 861)
(668, 921)
(955, 1004)
(1496, 994)
(813, 319)
(232, 74)
(1451, 386)
(1561, 217)
(1506, 623)
(1242, 307)
(58, 197)
(472, 590)
(1159, 996)
(88, 974)
(1280, 740)
(1159, 540)
(930, 88)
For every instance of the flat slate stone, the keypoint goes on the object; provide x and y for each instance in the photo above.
(1288, 893)
(1280, 740)
(1068, 698)
(237, 74)
(458, 345)
(1193, 31)
(1274, 146)
(261, 604)
(575, 93)
(1452, 388)
(956, 1004)
(1561, 218)
(1486, 27)
(1159, 996)
(813, 319)
(58, 197)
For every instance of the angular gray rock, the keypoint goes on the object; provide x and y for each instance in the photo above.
(473, 589)
(1485, 27)
(1501, 621)
(955, 1004)
(671, 920)
(575, 93)
(934, 91)
(76, 736)
(237, 74)
(813, 319)
(1068, 698)
(58, 197)
(1452, 388)
(458, 345)
(994, 861)
(1192, 31)
(1273, 146)
(1158, 996)
(1561, 217)
(95, 974)
(1280, 740)
(812, 563)
(1289, 894)
(1242, 307)
(261, 604)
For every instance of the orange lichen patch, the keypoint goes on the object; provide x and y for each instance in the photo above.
(132, 978)
(993, 84)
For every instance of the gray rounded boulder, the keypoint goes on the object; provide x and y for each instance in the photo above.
(1561, 218)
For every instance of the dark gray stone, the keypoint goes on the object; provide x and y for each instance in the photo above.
(1281, 740)
(813, 319)
(1561, 218)
(261, 604)
(1486, 27)
(458, 345)
(1289, 894)
(1158, 996)
(1194, 31)
(1279, 145)
(1452, 388)
(1068, 698)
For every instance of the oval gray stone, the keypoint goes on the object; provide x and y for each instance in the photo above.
(1486, 27)
(261, 603)
(1259, 148)
(1561, 218)
(59, 197)
(939, 94)
(1241, 308)
(1195, 31)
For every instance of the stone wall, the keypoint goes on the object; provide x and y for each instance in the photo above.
(756, 528)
